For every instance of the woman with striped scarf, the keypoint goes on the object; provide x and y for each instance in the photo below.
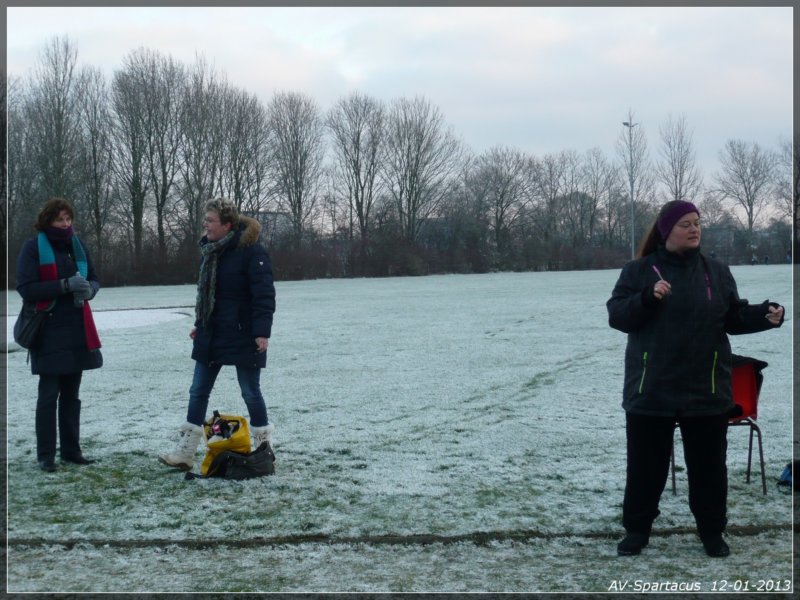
(55, 272)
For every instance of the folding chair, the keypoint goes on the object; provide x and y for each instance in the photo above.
(746, 380)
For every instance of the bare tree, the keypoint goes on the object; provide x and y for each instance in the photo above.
(53, 118)
(714, 212)
(244, 175)
(575, 208)
(422, 158)
(745, 178)
(550, 181)
(632, 150)
(471, 201)
(357, 124)
(160, 82)
(796, 192)
(332, 206)
(23, 176)
(601, 183)
(472, 246)
(677, 169)
(296, 160)
(501, 182)
(338, 204)
(784, 197)
(130, 156)
(96, 132)
(202, 149)
(796, 176)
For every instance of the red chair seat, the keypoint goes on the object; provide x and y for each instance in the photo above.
(746, 380)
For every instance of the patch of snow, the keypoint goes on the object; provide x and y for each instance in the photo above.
(444, 405)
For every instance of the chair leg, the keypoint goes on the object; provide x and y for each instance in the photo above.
(754, 428)
(760, 456)
(750, 451)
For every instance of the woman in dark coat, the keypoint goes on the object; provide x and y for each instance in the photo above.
(677, 307)
(55, 272)
(234, 308)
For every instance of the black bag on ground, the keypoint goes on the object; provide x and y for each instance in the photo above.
(29, 325)
(236, 465)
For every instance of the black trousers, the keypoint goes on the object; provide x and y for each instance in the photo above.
(705, 445)
(58, 395)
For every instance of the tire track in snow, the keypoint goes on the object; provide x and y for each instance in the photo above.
(480, 538)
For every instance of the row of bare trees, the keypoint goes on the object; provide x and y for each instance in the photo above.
(364, 188)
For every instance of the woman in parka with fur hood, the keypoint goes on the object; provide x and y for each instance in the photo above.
(234, 308)
(678, 307)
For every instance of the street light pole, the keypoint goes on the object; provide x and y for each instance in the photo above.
(630, 125)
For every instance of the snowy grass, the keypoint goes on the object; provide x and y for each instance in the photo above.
(446, 405)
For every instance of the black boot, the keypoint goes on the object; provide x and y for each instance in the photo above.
(69, 428)
(46, 427)
(632, 543)
(47, 465)
(80, 459)
(714, 545)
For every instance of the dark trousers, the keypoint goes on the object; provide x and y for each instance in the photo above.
(705, 445)
(58, 395)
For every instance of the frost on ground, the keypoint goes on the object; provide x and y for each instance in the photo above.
(443, 405)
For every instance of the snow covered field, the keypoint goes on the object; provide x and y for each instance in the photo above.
(445, 433)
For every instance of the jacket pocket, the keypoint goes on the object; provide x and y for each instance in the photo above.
(644, 372)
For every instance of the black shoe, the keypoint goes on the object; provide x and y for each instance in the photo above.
(632, 544)
(78, 460)
(715, 546)
(47, 465)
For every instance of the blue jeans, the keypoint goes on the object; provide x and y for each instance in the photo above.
(203, 382)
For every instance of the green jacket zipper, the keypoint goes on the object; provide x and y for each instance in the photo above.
(644, 371)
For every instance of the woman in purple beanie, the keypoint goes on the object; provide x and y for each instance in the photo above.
(678, 307)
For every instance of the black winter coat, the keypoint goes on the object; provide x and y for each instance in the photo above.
(244, 303)
(678, 358)
(62, 347)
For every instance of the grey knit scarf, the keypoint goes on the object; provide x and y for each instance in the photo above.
(207, 282)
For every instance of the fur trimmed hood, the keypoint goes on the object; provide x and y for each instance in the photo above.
(249, 229)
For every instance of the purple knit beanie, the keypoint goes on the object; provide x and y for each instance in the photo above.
(667, 221)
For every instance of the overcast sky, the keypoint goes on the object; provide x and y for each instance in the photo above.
(539, 79)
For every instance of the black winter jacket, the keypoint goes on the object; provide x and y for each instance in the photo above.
(62, 347)
(678, 358)
(244, 303)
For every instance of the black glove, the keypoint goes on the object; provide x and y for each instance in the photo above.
(776, 305)
(649, 299)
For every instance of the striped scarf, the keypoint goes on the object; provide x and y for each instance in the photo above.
(207, 281)
(48, 271)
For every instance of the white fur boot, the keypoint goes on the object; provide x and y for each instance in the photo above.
(183, 455)
(262, 434)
